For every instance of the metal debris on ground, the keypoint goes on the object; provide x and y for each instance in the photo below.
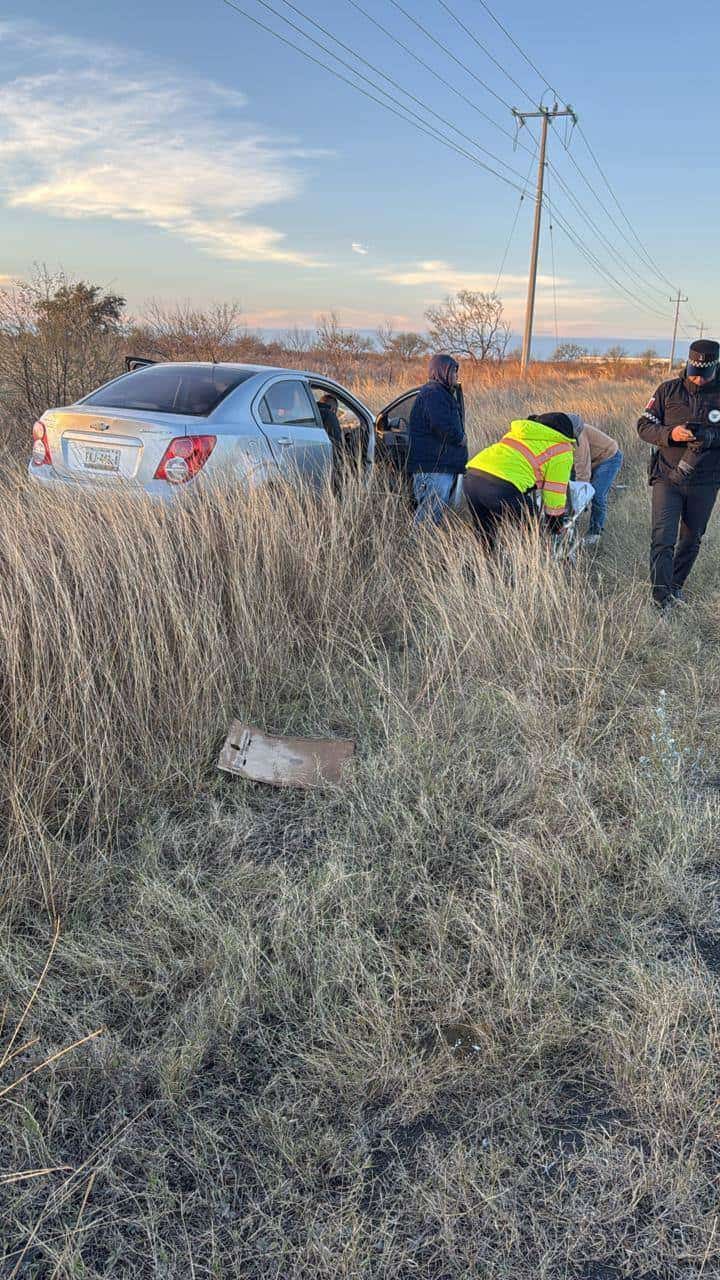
(283, 762)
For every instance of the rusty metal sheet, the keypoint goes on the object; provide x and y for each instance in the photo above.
(283, 762)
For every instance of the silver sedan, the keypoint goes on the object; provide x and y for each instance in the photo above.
(169, 427)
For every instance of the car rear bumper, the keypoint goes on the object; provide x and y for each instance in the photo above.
(54, 482)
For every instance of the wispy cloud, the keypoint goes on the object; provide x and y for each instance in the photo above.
(88, 132)
(432, 279)
(437, 274)
(359, 248)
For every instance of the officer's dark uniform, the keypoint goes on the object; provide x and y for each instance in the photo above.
(685, 478)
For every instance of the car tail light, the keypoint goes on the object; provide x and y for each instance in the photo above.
(184, 457)
(41, 449)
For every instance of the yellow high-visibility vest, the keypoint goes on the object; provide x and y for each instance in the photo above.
(531, 456)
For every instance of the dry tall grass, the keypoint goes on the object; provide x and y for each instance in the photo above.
(455, 1018)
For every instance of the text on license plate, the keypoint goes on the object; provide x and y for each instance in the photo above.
(102, 459)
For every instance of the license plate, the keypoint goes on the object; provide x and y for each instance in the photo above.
(102, 459)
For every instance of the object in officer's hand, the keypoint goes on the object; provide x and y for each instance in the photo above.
(283, 762)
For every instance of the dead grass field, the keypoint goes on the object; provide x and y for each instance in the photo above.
(456, 1018)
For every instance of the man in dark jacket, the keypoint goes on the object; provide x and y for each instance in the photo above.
(437, 447)
(682, 422)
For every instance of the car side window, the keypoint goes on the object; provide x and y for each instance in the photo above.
(348, 417)
(399, 415)
(288, 404)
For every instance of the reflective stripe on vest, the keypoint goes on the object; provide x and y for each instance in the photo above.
(536, 460)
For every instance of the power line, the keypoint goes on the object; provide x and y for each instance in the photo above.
(471, 35)
(595, 262)
(425, 127)
(649, 260)
(401, 88)
(598, 166)
(520, 50)
(523, 195)
(468, 70)
(614, 252)
(403, 113)
(427, 67)
(641, 256)
(554, 281)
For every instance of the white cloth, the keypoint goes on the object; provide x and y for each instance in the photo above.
(580, 495)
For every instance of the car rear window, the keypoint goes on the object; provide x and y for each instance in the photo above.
(166, 388)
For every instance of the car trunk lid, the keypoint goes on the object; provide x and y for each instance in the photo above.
(108, 447)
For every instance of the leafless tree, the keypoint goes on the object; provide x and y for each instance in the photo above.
(405, 345)
(570, 351)
(297, 341)
(333, 340)
(470, 324)
(385, 336)
(410, 345)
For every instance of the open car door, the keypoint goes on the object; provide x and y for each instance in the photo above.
(391, 437)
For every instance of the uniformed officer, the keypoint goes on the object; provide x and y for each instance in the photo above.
(682, 422)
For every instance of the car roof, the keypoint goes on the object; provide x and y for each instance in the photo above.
(236, 364)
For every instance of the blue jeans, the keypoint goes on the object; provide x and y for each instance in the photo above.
(602, 480)
(431, 490)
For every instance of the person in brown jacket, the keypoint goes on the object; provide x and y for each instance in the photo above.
(598, 458)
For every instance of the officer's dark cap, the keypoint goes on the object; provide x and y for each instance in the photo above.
(703, 358)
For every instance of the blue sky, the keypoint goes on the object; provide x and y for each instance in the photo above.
(175, 151)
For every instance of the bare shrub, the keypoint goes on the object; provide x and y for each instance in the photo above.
(181, 331)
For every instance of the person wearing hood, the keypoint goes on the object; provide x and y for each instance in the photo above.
(534, 456)
(682, 423)
(437, 446)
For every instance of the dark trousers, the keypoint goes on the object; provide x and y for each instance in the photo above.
(493, 501)
(676, 506)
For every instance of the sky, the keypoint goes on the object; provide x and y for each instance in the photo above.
(176, 151)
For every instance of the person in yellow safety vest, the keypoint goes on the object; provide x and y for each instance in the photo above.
(534, 456)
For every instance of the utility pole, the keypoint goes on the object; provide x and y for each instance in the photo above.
(545, 114)
(677, 302)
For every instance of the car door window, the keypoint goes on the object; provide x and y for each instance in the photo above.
(348, 417)
(398, 416)
(288, 404)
